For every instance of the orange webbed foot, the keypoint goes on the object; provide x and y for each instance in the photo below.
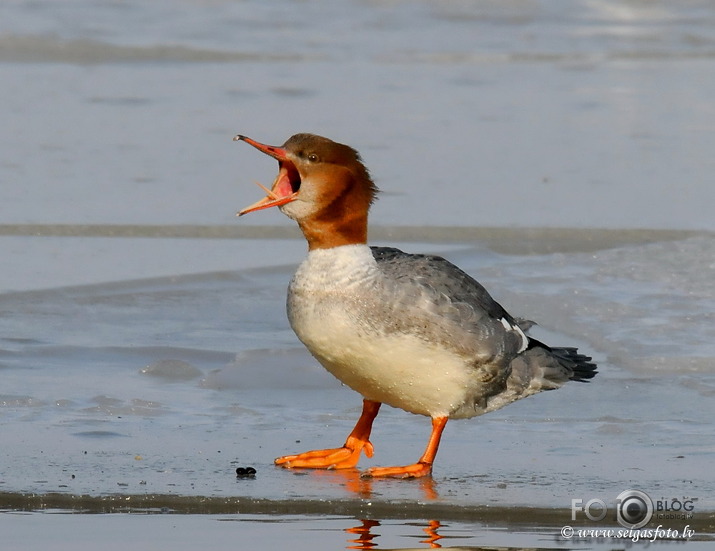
(334, 458)
(417, 470)
(424, 466)
(339, 458)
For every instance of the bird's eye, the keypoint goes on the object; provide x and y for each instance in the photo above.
(312, 157)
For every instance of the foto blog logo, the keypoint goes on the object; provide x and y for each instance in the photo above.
(633, 509)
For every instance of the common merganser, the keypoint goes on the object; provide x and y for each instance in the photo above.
(408, 330)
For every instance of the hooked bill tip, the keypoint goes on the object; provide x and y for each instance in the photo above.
(239, 137)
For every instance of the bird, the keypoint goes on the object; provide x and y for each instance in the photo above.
(412, 331)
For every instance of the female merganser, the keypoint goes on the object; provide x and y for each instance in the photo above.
(408, 330)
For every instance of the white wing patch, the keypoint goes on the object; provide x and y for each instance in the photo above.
(509, 327)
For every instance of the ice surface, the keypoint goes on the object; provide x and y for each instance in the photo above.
(561, 152)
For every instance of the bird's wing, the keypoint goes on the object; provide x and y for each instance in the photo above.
(447, 296)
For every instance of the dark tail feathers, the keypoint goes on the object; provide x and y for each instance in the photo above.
(581, 366)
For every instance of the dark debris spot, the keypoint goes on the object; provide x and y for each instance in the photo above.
(245, 472)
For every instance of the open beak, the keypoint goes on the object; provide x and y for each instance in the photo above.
(285, 186)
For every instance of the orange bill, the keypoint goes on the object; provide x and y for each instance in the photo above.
(284, 189)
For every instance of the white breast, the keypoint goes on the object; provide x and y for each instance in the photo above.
(329, 309)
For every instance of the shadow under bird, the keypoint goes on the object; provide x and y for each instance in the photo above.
(408, 330)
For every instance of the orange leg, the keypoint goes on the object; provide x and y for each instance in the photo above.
(424, 466)
(339, 458)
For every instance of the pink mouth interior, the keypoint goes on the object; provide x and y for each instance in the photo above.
(283, 187)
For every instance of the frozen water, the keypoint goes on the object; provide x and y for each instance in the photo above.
(558, 151)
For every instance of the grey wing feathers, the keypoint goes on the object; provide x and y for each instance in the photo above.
(443, 277)
(531, 365)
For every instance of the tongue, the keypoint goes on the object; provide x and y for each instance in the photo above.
(282, 187)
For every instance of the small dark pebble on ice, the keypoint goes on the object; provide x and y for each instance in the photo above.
(245, 472)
